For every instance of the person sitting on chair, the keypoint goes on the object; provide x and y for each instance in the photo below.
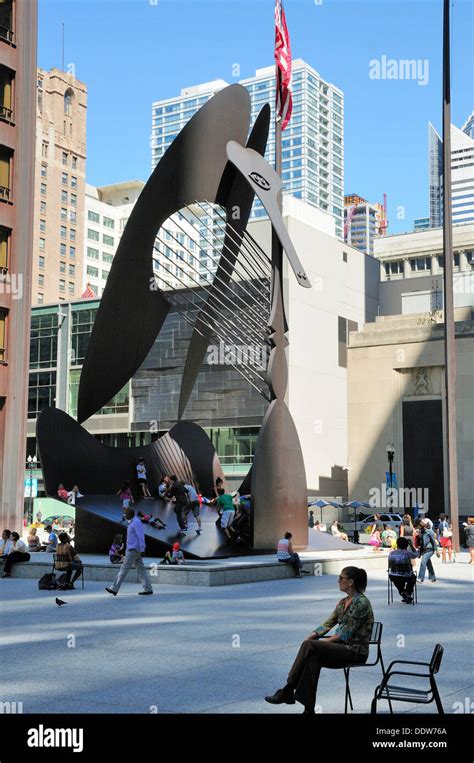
(400, 569)
(349, 645)
(67, 560)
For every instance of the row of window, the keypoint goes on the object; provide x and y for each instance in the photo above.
(94, 254)
(93, 235)
(416, 264)
(94, 217)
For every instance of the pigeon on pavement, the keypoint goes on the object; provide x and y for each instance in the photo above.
(60, 602)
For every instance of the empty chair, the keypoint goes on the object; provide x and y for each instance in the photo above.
(414, 694)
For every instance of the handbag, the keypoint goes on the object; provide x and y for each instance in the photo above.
(447, 533)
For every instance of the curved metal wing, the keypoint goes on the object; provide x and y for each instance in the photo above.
(132, 309)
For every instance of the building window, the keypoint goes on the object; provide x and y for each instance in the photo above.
(93, 272)
(44, 170)
(3, 333)
(64, 197)
(6, 20)
(42, 244)
(64, 158)
(68, 96)
(72, 216)
(64, 178)
(63, 213)
(344, 256)
(108, 222)
(62, 267)
(44, 150)
(72, 234)
(74, 162)
(71, 287)
(420, 264)
(62, 250)
(41, 279)
(107, 239)
(73, 181)
(41, 262)
(72, 271)
(93, 235)
(5, 234)
(5, 170)
(42, 207)
(92, 253)
(394, 268)
(73, 199)
(62, 285)
(107, 257)
(63, 231)
(72, 252)
(344, 328)
(43, 226)
(42, 392)
(40, 299)
(93, 216)
(6, 98)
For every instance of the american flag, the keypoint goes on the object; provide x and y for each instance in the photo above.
(284, 101)
(88, 294)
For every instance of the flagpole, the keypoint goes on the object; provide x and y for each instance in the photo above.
(451, 491)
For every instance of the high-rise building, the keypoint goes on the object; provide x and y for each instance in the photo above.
(106, 213)
(363, 222)
(18, 31)
(107, 210)
(462, 174)
(59, 187)
(468, 126)
(312, 145)
(421, 223)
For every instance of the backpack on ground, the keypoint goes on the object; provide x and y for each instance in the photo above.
(47, 582)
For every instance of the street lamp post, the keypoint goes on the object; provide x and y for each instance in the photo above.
(390, 455)
(32, 461)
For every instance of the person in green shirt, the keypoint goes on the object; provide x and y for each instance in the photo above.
(349, 644)
(226, 505)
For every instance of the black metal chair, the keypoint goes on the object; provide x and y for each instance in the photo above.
(63, 570)
(425, 696)
(393, 569)
(375, 640)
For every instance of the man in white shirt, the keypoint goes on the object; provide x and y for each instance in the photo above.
(18, 553)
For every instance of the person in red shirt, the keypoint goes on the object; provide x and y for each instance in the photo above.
(62, 493)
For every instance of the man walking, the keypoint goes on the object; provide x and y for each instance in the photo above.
(133, 556)
(428, 547)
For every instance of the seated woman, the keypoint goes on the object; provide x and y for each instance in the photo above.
(354, 619)
(62, 493)
(18, 553)
(68, 560)
(34, 543)
(337, 532)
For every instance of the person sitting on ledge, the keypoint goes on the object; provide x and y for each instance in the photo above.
(68, 560)
(18, 553)
(337, 532)
(6, 543)
(175, 556)
(52, 540)
(354, 618)
(34, 543)
(286, 555)
(117, 550)
(62, 493)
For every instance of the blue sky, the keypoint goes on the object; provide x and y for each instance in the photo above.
(132, 52)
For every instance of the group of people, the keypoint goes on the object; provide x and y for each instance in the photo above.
(69, 496)
(14, 550)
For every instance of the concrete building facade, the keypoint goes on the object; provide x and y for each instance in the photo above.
(60, 172)
(18, 30)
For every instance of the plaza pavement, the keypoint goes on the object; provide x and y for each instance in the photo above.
(216, 650)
